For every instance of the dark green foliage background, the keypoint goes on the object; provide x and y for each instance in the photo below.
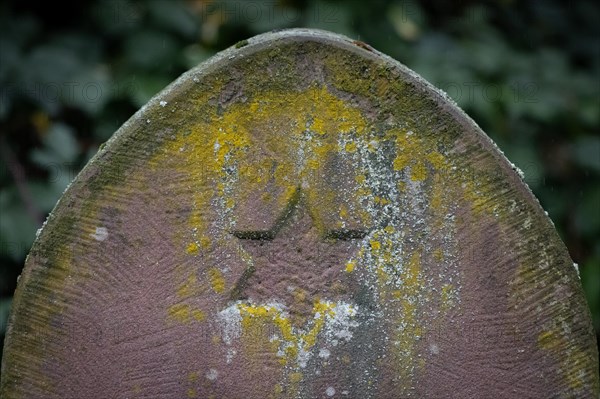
(528, 72)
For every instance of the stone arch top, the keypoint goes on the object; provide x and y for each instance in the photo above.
(302, 211)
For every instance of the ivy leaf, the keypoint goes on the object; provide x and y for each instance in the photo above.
(60, 148)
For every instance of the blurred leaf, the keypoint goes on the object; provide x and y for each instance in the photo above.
(91, 90)
(11, 58)
(554, 201)
(261, 16)
(586, 93)
(124, 83)
(60, 148)
(406, 19)
(90, 154)
(47, 194)
(17, 229)
(88, 48)
(488, 55)
(587, 218)
(150, 49)
(47, 76)
(590, 279)
(43, 158)
(589, 110)
(117, 17)
(586, 152)
(60, 183)
(174, 16)
(51, 65)
(332, 16)
(105, 128)
(195, 54)
(147, 86)
(60, 139)
(5, 304)
(19, 30)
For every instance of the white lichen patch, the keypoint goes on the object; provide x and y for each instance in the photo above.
(341, 321)
(100, 234)
(229, 320)
(212, 374)
(434, 349)
(324, 353)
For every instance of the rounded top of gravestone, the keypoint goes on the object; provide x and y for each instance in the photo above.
(300, 216)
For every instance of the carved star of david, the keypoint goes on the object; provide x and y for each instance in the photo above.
(296, 263)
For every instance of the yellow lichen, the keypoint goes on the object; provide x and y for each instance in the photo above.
(180, 312)
(350, 266)
(407, 297)
(294, 340)
(300, 295)
(418, 171)
(277, 142)
(411, 150)
(225, 142)
(217, 281)
(573, 360)
(184, 313)
(198, 315)
(192, 249)
(343, 212)
(547, 340)
(187, 288)
(375, 245)
(204, 241)
(448, 296)
(296, 377)
(437, 160)
(381, 201)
